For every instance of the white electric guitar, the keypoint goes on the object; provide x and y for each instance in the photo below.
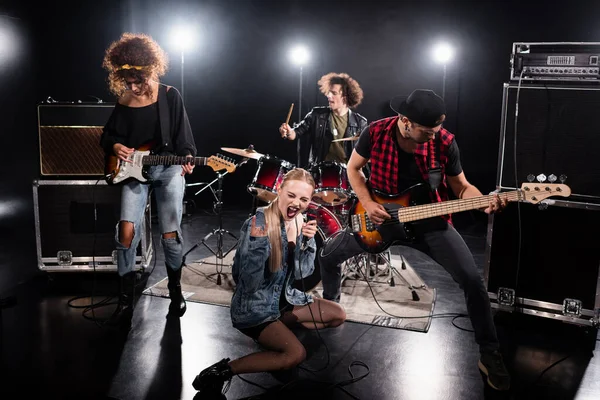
(117, 171)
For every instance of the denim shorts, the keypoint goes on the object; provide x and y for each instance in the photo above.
(255, 331)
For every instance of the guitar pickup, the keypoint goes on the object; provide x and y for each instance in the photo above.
(356, 223)
(369, 226)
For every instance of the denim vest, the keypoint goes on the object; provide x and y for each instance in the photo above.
(257, 292)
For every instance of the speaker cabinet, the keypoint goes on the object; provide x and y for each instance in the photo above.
(75, 225)
(557, 133)
(552, 269)
(69, 139)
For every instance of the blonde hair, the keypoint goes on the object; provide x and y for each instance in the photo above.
(273, 216)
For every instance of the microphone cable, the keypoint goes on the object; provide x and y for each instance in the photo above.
(325, 385)
(309, 308)
(519, 221)
(91, 306)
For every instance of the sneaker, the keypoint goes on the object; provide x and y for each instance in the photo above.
(492, 366)
(212, 379)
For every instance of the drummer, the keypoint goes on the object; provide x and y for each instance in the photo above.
(322, 125)
(318, 130)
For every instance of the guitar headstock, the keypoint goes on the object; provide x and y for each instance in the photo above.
(534, 192)
(219, 162)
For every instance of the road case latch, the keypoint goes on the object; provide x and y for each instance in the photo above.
(572, 307)
(506, 297)
(64, 257)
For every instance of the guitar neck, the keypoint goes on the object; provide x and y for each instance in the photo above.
(414, 213)
(173, 160)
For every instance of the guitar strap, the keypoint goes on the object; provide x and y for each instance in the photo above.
(163, 117)
(433, 163)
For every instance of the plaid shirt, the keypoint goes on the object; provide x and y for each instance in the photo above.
(384, 159)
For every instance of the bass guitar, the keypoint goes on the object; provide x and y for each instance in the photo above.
(118, 171)
(413, 205)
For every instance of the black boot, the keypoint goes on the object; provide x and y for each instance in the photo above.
(123, 314)
(177, 306)
(211, 380)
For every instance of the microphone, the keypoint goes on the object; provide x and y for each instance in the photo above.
(311, 215)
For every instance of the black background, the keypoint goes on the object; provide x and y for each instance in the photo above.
(239, 83)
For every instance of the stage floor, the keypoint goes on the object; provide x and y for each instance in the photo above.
(51, 350)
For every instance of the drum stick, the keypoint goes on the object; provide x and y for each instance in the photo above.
(287, 120)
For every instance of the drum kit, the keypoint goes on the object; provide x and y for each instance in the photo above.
(332, 202)
(333, 197)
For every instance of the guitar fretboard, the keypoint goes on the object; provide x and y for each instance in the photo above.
(173, 160)
(423, 211)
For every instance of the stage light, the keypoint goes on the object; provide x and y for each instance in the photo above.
(299, 56)
(9, 42)
(9, 208)
(184, 39)
(443, 53)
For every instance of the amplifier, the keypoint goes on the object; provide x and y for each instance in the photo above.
(565, 61)
(69, 138)
(556, 134)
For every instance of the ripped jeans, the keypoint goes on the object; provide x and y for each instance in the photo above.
(169, 187)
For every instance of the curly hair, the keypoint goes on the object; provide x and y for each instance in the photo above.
(350, 88)
(133, 49)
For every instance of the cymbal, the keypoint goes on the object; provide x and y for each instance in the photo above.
(346, 139)
(248, 153)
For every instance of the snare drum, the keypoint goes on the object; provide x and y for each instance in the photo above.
(327, 225)
(332, 186)
(268, 177)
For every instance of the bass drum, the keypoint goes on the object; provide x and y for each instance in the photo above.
(327, 225)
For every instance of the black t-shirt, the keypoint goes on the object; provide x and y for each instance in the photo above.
(408, 171)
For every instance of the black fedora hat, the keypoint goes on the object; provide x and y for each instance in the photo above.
(422, 106)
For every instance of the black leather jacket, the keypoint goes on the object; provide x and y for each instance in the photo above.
(314, 135)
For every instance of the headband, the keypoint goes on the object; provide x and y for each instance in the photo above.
(127, 66)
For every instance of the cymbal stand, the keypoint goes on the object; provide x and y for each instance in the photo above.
(354, 267)
(219, 233)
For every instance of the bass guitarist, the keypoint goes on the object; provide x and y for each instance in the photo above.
(147, 111)
(406, 150)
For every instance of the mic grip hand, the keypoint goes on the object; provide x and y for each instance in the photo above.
(311, 215)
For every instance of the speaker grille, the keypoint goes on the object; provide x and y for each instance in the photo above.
(70, 139)
(557, 133)
(66, 150)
